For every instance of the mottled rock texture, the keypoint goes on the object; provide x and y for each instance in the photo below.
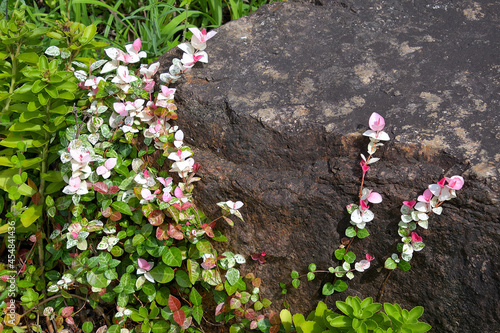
(276, 119)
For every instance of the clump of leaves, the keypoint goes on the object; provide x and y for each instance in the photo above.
(360, 316)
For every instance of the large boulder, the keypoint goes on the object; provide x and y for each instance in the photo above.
(276, 120)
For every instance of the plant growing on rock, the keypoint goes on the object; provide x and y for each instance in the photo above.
(413, 214)
(118, 231)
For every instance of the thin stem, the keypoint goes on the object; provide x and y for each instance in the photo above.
(48, 300)
(383, 286)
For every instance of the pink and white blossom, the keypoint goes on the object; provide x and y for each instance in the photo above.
(123, 78)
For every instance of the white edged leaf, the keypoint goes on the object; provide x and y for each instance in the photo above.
(53, 51)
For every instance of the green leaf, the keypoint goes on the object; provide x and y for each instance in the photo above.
(310, 276)
(295, 283)
(312, 267)
(195, 297)
(232, 276)
(339, 321)
(415, 313)
(97, 280)
(340, 286)
(193, 270)
(182, 279)
(328, 289)
(197, 313)
(43, 63)
(172, 257)
(390, 263)
(350, 232)
(114, 329)
(294, 274)
(28, 57)
(349, 257)
(122, 207)
(339, 254)
(160, 326)
(345, 308)
(363, 233)
(31, 214)
(311, 327)
(404, 265)
(162, 273)
(286, 320)
(87, 326)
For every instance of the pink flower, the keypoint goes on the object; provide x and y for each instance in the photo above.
(376, 122)
(415, 238)
(455, 182)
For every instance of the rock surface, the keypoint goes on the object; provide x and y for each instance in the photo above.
(276, 118)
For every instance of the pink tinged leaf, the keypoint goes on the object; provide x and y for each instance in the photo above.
(67, 311)
(137, 44)
(156, 217)
(149, 86)
(174, 304)
(178, 192)
(229, 221)
(100, 187)
(237, 205)
(106, 212)
(116, 216)
(166, 197)
(208, 263)
(415, 238)
(174, 232)
(219, 308)
(253, 325)
(179, 317)
(144, 265)
(442, 182)
(101, 170)
(163, 181)
(364, 166)
(186, 205)
(374, 197)
(208, 230)
(455, 182)
(75, 235)
(113, 189)
(363, 205)
(410, 204)
(70, 321)
(187, 322)
(376, 122)
(146, 194)
(161, 232)
(110, 163)
(250, 314)
(369, 257)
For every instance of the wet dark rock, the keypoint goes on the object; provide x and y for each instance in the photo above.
(276, 119)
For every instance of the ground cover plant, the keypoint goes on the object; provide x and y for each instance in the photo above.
(96, 201)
